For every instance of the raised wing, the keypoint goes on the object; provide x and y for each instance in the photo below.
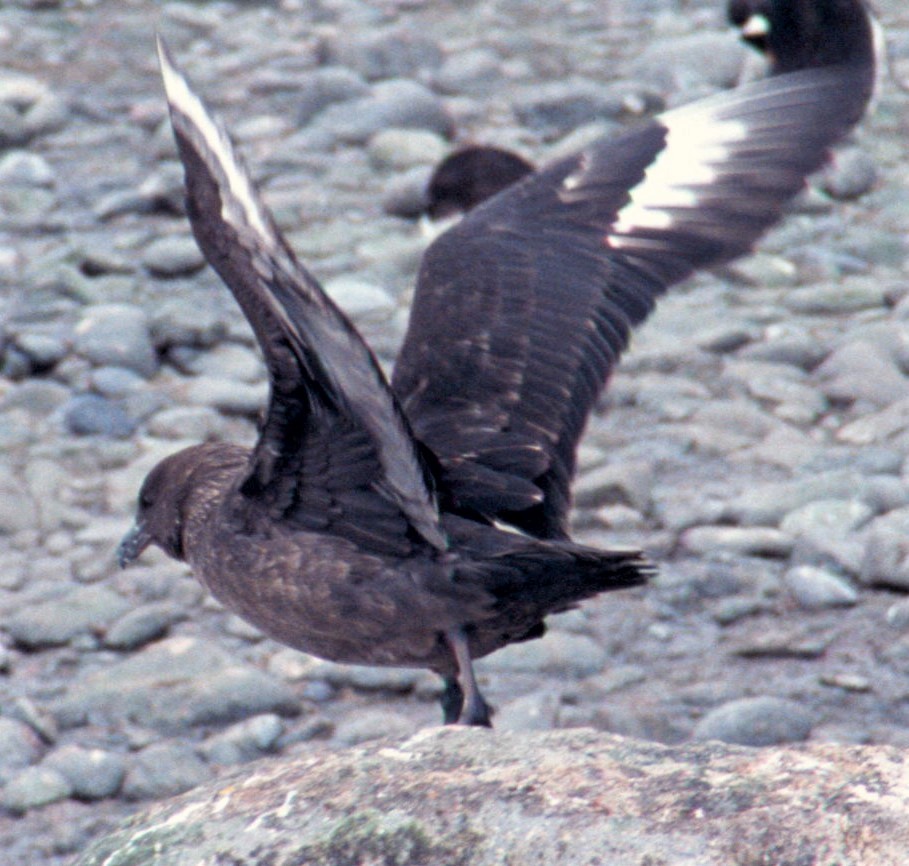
(335, 452)
(523, 308)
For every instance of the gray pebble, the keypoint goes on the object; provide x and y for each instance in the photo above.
(116, 335)
(472, 71)
(293, 665)
(174, 256)
(114, 382)
(22, 167)
(757, 721)
(244, 741)
(405, 193)
(395, 103)
(93, 774)
(228, 395)
(898, 615)
(20, 746)
(886, 557)
(850, 174)
(238, 692)
(57, 621)
(164, 770)
(826, 519)
(619, 483)
(689, 63)
(326, 86)
(187, 322)
(817, 589)
(142, 625)
(401, 149)
(737, 540)
(34, 787)
(384, 53)
(198, 423)
(562, 653)
(372, 724)
(93, 415)
(537, 711)
(362, 301)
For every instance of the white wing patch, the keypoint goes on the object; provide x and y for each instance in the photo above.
(756, 27)
(214, 136)
(698, 142)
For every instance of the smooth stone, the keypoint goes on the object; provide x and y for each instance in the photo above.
(244, 741)
(472, 71)
(372, 724)
(534, 712)
(756, 721)
(93, 415)
(172, 685)
(404, 195)
(185, 322)
(616, 483)
(142, 625)
(186, 422)
(93, 774)
(401, 149)
(230, 361)
(22, 167)
(228, 395)
(78, 611)
(116, 335)
(175, 256)
(34, 787)
(886, 555)
(690, 62)
(824, 519)
(562, 653)
(850, 174)
(384, 53)
(163, 770)
(362, 301)
(818, 589)
(738, 540)
(292, 665)
(20, 746)
(767, 504)
(115, 382)
(325, 86)
(877, 426)
(897, 615)
(395, 103)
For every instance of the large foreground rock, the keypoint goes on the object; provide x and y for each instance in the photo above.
(458, 796)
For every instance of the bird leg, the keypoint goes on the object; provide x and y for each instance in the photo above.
(477, 711)
(452, 701)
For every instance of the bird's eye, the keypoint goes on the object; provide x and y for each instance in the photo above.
(145, 501)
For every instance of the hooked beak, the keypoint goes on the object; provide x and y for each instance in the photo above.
(132, 545)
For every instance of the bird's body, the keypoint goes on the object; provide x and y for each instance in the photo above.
(364, 525)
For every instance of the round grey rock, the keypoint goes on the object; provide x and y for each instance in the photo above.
(34, 787)
(93, 415)
(93, 774)
(757, 721)
(816, 588)
(116, 335)
(164, 770)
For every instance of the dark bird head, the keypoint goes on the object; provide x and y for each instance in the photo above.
(159, 511)
(470, 176)
(799, 34)
(164, 498)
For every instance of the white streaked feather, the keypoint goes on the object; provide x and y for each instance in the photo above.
(698, 142)
(182, 98)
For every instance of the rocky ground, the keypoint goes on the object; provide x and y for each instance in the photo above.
(753, 441)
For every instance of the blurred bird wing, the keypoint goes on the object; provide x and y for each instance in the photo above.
(522, 309)
(335, 445)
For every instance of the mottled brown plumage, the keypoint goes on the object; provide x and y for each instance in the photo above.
(362, 527)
